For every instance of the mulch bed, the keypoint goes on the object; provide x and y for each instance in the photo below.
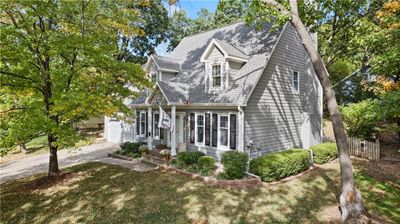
(47, 182)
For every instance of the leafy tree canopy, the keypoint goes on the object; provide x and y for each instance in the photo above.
(59, 65)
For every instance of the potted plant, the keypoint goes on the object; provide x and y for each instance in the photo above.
(143, 149)
(166, 154)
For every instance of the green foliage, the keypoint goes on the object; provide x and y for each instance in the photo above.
(227, 12)
(275, 166)
(324, 152)
(130, 147)
(359, 119)
(188, 158)
(59, 65)
(206, 165)
(235, 164)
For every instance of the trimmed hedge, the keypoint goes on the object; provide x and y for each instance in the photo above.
(278, 165)
(324, 152)
(188, 158)
(234, 164)
(206, 165)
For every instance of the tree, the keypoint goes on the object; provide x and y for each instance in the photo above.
(60, 59)
(280, 12)
(154, 22)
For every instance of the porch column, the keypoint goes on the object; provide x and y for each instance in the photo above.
(173, 134)
(241, 145)
(135, 127)
(150, 125)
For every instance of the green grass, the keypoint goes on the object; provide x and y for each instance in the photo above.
(102, 193)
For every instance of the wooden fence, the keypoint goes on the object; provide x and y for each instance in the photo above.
(361, 148)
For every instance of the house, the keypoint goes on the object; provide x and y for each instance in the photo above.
(226, 87)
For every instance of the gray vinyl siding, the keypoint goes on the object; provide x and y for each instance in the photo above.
(275, 116)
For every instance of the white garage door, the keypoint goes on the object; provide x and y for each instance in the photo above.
(114, 131)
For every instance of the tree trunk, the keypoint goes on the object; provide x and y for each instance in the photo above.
(53, 161)
(350, 199)
(22, 147)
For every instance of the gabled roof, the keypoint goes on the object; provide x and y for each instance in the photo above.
(239, 40)
(229, 51)
(165, 63)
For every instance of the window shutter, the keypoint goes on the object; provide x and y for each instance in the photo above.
(232, 140)
(191, 128)
(137, 123)
(207, 132)
(147, 126)
(214, 130)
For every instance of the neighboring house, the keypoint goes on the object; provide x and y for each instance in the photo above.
(227, 86)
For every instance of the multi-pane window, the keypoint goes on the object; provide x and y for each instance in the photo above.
(142, 123)
(216, 75)
(200, 128)
(223, 130)
(154, 77)
(295, 82)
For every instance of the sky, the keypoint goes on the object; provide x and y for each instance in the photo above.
(191, 7)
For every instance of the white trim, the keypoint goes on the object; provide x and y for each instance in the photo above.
(196, 142)
(221, 70)
(220, 146)
(294, 89)
(154, 126)
(140, 123)
(226, 55)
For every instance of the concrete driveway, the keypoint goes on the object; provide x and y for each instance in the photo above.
(40, 163)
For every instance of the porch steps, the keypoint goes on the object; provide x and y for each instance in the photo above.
(153, 160)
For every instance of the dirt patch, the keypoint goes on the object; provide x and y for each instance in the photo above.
(379, 169)
(47, 182)
(390, 151)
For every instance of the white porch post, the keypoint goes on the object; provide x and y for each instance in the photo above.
(241, 145)
(149, 124)
(135, 127)
(173, 134)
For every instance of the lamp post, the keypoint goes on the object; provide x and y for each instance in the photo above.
(249, 148)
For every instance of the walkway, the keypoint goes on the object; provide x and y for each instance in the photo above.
(91, 153)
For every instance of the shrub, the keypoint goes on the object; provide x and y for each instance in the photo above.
(359, 119)
(275, 166)
(324, 152)
(188, 158)
(234, 164)
(130, 147)
(206, 165)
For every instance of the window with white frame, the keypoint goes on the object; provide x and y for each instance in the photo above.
(216, 75)
(142, 123)
(200, 128)
(223, 130)
(154, 77)
(295, 82)
(156, 133)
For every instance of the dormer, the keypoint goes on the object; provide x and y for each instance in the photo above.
(221, 60)
(161, 68)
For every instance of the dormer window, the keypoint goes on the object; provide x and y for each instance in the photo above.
(154, 77)
(216, 75)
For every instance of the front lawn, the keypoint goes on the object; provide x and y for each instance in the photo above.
(102, 193)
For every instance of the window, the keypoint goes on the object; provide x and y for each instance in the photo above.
(223, 129)
(200, 128)
(295, 82)
(156, 128)
(216, 76)
(154, 77)
(142, 123)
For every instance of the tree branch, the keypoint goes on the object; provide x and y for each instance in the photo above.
(18, 76)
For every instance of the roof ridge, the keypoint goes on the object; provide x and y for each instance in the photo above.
(216, 28)
(167, 57)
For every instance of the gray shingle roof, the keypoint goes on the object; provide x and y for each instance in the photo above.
(232, 50)
(167, 63)
(239, 40)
